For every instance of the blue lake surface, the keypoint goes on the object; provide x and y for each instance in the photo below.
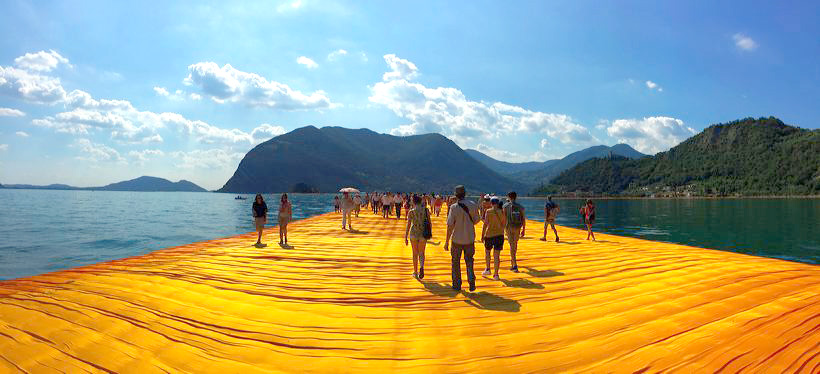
(42, 231)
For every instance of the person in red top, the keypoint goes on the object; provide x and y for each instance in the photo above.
(588, 214)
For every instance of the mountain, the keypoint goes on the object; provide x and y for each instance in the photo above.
(329, 158)
(33, 187)
(152, 184)
(534, 174)
(148, 184)
(751, 156)
(503, 167)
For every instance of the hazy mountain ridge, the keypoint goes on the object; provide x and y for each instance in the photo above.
(534, 174)
(144, 184)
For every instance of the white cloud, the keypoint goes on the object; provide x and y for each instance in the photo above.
(265, 131)
(544, 143)
(399, 68)
(4, 147)
(208, 159)
(363, 56)
(653, 86)
(142, 156)
(129, 125)
(500, 154)
(310, 64)
(22, 134)
(161, 91)
(289, 6)
(30, 86)
(744, 42)
(9, 112)
(96, 152)
(229, 84)
(195, 96)
(446, 110)
(650, 135)
(41, 61)
(335, 55)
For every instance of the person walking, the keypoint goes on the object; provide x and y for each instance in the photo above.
(387, 202)
(414, 232)
(437, 204)
(398, 201)
(516, 226)
(551, 210)
(260, 216)
(461, 219)
(336, 203)
(588, 215)
(493, 235)
(357, 204)
(285, 214)
(346, 204)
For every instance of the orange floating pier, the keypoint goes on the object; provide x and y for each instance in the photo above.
(346, 302)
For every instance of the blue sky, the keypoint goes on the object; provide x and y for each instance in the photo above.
(96, 92)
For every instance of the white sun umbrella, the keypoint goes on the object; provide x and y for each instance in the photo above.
(349, 189)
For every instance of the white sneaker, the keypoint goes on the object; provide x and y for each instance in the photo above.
(486, 273)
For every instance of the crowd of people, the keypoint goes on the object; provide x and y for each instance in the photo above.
(500, 220)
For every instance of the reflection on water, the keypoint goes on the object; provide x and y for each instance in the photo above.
(42, 231)
(781, 228)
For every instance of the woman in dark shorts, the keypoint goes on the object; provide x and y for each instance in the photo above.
(588, 214)
(493, 235)
(260, 216)
(285, 214)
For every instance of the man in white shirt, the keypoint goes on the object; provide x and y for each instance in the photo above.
(461, 219)
(397, 202)
(375, 203)
(387, 202)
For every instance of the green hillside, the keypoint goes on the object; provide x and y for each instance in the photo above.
(748, 157)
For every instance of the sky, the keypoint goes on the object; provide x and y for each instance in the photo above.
(98, 92)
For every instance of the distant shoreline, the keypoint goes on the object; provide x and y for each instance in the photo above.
(530, 197)
(675, 197)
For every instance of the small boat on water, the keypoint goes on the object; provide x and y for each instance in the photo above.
(240, 198)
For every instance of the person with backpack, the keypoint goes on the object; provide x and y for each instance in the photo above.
(418, 230)
(516, 226)
(551, 210)
(357, 205)
(588, 215)
(493, 235)
(461, 219)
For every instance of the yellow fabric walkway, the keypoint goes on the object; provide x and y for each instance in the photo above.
(344, 302)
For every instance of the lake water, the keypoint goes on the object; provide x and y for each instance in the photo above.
(42, 231)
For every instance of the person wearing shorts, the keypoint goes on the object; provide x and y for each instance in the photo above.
(260, 216)
(516, 226)
(551, 210)
(285, 214)
(493, 235)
